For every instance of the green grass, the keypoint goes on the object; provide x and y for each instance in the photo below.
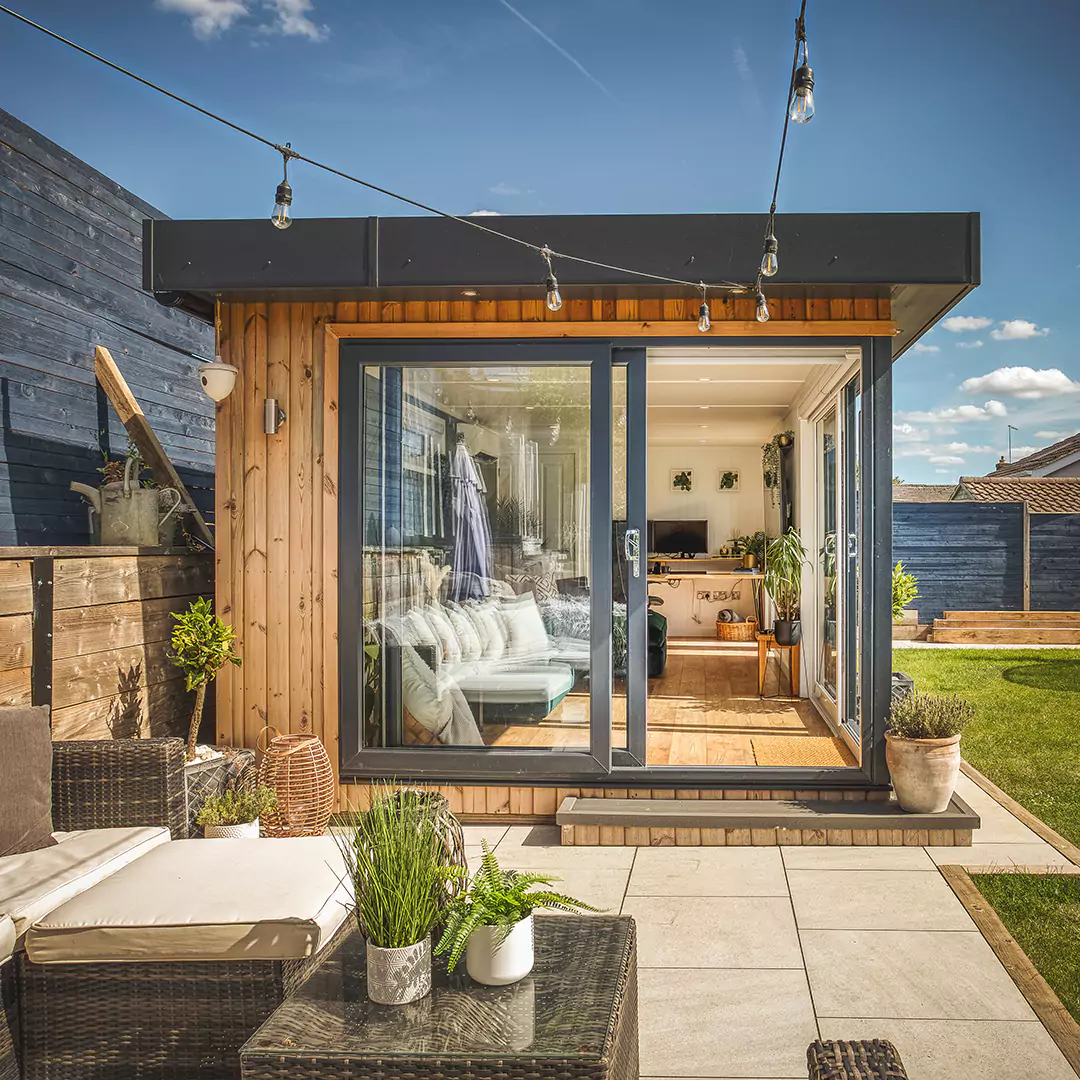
(1026, 732)
(1043, 914)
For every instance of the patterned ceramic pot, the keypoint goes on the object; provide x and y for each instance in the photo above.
(398, 976)
(510, 961)
(248, 831)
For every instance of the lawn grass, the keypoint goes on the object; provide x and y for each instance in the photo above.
(1026, 735)
(1042, 912)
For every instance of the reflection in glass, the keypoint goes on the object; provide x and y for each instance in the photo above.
(620, 567)
(827, 554)
(474, 509)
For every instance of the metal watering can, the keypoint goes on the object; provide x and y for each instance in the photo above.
(129, 514)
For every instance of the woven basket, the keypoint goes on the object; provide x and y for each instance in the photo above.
(737, 631)
(298, 769)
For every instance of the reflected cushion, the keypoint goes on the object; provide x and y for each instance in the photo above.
(526, 635)
(468, 638)
(440, 625)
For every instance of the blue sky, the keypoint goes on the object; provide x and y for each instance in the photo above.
(620, 106)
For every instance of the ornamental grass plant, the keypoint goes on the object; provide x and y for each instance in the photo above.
(396, 865)
(929, 716)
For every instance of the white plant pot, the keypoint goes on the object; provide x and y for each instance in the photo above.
(248, 831)
(512, 960)
(923, 771)
(398, 976)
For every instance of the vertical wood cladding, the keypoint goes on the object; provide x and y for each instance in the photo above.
(71, 279)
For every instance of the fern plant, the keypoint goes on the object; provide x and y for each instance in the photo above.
(201, 646)
(499, 898)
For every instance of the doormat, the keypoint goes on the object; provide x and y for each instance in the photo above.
(805, 750)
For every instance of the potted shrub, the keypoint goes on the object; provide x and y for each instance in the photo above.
(201, 646)
(397, 868)
(784, 560)
(491, 923)
(922, 749)
(234, 815)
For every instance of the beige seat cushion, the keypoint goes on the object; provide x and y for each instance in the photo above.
(7, 939)
(34, 883)
(205, 900)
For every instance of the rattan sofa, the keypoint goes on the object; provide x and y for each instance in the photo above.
(96, 784)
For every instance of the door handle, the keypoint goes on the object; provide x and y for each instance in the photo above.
(853, 546)
(632, 549)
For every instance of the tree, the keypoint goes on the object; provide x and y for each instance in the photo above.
(201, 646)
(897, 480)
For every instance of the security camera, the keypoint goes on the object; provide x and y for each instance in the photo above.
(217, 379)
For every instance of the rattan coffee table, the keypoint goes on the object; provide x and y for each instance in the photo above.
(573, 1018)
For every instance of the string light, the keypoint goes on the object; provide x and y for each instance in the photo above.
(554, 297)
(769, 263)
(801, 103)
(283, 195)
(703, 323)
(762, 314)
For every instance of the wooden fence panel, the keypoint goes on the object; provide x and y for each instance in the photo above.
(1055, 562)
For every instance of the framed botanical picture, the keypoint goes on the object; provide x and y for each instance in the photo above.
(682, 480)
(728, 480)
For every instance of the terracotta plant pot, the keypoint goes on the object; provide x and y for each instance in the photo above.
(248, 830)
(924, 772)
(511, 961)
(398, 976)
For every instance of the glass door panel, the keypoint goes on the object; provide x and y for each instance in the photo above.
(850, 482)
(826, 564)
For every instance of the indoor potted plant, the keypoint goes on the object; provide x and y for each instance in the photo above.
(397, 868)
(922, 749)
(201, 646)
(491, 922)
(784, 560)
(234, 815)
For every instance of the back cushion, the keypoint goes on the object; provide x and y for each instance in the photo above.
(468, 638)
(25, 780)
(440, 624)
(526, 636)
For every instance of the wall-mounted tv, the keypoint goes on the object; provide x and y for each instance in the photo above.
(678, 537)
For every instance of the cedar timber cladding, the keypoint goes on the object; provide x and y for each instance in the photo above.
(277, 496)
(71, 279)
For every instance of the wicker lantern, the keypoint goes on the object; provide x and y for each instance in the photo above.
(298, 768)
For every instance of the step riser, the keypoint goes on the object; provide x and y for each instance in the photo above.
(640, 836)
(994, 636)
(1014, 616)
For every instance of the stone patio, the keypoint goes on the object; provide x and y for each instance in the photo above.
(746, 955)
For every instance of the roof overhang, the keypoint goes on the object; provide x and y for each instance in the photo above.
(924, 263)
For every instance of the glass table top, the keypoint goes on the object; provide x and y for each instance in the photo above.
(564, 1008)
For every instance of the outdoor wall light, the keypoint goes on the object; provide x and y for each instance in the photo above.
(273, 416)
(217, 379)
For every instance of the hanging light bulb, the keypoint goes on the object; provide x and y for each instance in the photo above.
(762, 307)
(283, 197)
(554, 297)
(703, 323)
(801, 106)
(769, 262)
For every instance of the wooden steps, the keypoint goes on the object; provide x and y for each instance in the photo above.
(587, 822)
(1008, 628)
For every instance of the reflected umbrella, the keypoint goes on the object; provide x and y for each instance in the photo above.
(472, 556)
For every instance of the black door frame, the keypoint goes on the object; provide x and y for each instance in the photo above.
(623, 768)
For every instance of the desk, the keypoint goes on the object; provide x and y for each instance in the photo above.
(765, 642)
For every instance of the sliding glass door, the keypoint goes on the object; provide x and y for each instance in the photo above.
(476, 547)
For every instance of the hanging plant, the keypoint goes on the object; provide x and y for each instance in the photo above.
(770, 462)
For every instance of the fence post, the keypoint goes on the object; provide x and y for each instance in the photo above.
(41, 631)
(1027, 556)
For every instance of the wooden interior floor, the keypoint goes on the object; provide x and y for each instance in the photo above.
(704, 710)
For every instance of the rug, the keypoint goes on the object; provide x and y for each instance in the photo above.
(805, 750)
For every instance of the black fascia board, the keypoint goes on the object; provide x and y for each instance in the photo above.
(253, 260)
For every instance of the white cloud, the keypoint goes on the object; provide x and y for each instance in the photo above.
(1018, 330)
(208, 17)
(1052, 436)
(290, 19)
(960, 324)
(1022, 382)
(1023, 451)
(909, 433)
(504, 189)
(933, 451)
(970, 344)
(945, 472)
(485, 213)
(920, 347)
(957, 413)
(946, 459)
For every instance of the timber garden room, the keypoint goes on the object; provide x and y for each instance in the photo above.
(497, 522)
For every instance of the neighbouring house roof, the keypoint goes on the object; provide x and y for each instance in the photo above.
(923, 493)
(1043, 494)
(924, 263)
(1041, 460)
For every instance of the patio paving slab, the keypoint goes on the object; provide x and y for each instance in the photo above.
(875, 900)
(715, 932)
(603, 886)
(856, 858)
(909, 974)
(474, 834)
(1040, 854)
(998, 825)
(534, 848)
(963, 1049)
(708, 872)
(717, 1023)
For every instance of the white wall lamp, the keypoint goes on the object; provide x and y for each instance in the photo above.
(273, 416)
(218, 379)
